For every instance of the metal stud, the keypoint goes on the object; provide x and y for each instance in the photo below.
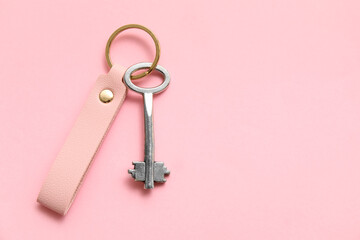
(106, 96)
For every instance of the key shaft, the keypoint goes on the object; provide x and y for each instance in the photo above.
(149, 140)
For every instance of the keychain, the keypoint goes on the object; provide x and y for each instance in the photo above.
(96, 116)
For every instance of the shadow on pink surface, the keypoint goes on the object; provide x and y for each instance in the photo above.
(51, 214)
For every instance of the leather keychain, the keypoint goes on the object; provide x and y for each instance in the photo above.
(69, 169)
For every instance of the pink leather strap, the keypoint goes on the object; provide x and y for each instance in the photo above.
(71, 164)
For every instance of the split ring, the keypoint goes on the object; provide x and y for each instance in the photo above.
(157, 46)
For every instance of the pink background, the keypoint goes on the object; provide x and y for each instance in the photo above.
(260, 125)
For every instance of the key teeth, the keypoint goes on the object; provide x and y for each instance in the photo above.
(132, 172)
(160, 171)
(138, 173)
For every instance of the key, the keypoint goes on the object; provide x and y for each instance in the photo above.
(148, 171)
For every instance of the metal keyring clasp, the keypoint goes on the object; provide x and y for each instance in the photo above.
(156, 41)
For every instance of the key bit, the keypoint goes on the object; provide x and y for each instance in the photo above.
(138, 173)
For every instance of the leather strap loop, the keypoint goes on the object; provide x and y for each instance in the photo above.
(74, 159)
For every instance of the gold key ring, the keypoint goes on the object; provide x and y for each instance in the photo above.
(157, 45)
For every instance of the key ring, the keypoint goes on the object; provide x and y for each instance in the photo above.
(157, 46)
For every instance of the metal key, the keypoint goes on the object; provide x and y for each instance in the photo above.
(148, 171)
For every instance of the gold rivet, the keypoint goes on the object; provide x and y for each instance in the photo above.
(106, 95)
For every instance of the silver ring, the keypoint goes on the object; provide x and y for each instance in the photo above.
(144, 65)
